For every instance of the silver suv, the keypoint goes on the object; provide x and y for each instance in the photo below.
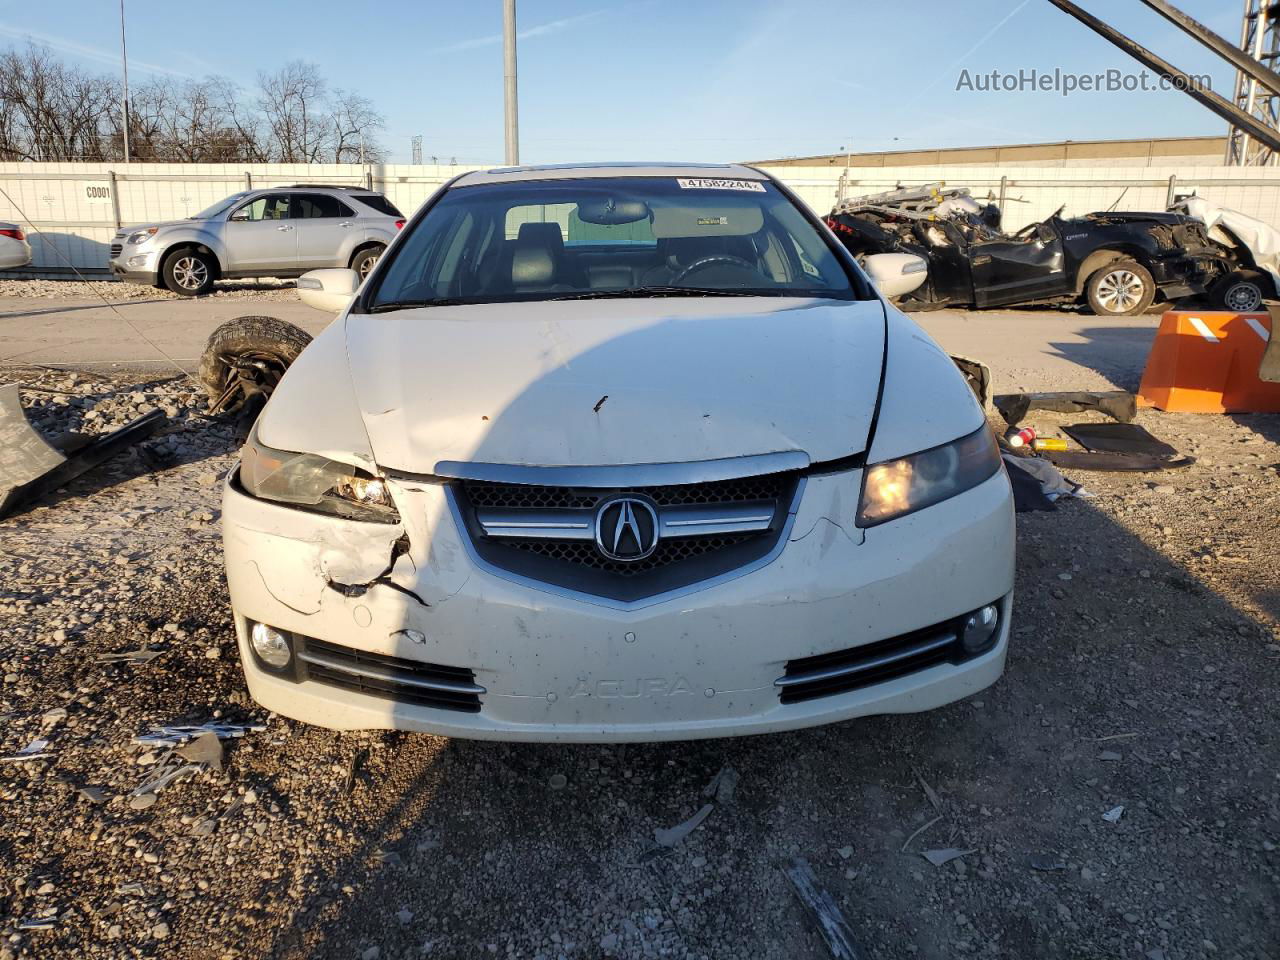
(281, 232)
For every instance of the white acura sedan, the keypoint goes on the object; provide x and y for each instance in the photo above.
(617, 452)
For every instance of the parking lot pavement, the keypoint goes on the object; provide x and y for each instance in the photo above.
(1046, 349)
(80, 331)
(1113, 795)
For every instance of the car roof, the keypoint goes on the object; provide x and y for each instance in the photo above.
(576, 171)
(349, 188)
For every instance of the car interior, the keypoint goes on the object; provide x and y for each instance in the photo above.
(612, 243)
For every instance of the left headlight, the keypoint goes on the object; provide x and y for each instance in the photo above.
(897, 487)
(143, 235)
(311, 482)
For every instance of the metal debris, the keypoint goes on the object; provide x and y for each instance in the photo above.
(1047, 863)
(142, 655)
(44, 923)
(205, 748)
(722, 785)
(934, 800)
(672, 836)
(919, 830)
(30, 467)
(35, 750)
(822, 909)
(942, 857)
(177, 735)
(169, 769)
(1113, 815)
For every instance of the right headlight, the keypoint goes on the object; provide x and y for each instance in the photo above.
(897, 487)
(311, 482)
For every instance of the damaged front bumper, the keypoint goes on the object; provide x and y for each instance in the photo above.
(1189, 276)
(401, 627)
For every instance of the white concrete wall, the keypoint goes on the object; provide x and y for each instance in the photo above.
(75, 210)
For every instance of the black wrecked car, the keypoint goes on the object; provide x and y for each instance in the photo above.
(1117, 263)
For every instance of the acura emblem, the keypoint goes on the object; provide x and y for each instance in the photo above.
(626, 529)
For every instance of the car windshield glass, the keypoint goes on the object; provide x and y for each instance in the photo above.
(610, 237)
(219, 207)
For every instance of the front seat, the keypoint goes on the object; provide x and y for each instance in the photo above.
(537, 258)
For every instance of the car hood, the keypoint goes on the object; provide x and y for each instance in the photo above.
(610, 382)
(159, 225)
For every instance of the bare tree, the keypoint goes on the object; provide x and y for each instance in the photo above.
(355, 124)
(52, 111)
(293, 100)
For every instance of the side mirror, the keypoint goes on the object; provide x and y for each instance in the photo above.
(896, 274)
(329, 290)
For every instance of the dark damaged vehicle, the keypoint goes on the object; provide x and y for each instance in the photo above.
(1117, 263)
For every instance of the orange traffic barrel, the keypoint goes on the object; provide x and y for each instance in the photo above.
(1208, 363)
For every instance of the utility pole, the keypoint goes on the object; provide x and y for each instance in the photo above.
(509, 76)
(124, 65)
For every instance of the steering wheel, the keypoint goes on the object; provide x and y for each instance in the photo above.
(710, 261)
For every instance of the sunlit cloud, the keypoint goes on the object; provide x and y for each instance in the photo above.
(96, 54)
(542, 29)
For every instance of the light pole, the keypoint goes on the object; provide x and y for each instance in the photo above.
(124, 65)
(509, 76)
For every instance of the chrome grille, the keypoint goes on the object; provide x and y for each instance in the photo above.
(548, 533)
(668, 552)
(520, 496)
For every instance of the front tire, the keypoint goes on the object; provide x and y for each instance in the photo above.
(1121, 289)
(365, 259)
(1241, 292)
(189, 273)
(245, 358)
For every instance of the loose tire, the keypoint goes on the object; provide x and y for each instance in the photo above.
(1121, 289)
(245, 358)
(189, 273)
(1241, 292)
(365, 259)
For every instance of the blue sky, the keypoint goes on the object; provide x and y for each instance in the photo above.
(668, 79)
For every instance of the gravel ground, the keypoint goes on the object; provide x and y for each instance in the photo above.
(118, 291)
(1142, 675)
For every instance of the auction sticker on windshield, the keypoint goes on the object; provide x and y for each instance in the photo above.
(710, 183)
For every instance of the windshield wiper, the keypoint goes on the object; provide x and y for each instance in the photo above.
(662, 291)
(409, 304)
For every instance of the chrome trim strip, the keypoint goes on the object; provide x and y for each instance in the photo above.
(590, 598)
(536, 524)
(573, 524)
(389, 674)
(627, 475)
(832, 673)
(710, 520)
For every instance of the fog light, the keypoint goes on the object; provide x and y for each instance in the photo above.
(138, 261)
(270, 645)
(979, 629)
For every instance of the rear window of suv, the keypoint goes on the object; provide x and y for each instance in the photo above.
(378, 202)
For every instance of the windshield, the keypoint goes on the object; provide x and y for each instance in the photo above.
(221, 206)
(610, 237)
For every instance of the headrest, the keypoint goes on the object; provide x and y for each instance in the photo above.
(532, 264)
(546, 235)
